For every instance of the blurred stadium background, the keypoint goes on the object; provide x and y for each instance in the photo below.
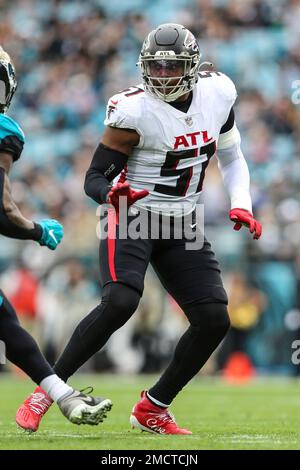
(70, 57)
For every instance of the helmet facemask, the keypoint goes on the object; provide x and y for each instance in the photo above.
(168, 86)
(8, 82)
(169, 62)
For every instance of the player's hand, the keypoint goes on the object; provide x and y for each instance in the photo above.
(52, 235)
(243, 217)
(123, 189)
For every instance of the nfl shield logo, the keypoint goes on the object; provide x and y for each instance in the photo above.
(189, 121)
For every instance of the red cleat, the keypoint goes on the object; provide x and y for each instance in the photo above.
(151, 418)
(29, 414)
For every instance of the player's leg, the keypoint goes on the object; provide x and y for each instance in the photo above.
(197, 286)
(123, 263)
(119, 302)
(22, 350)
(193, 279)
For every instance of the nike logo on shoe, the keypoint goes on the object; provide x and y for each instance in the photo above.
(87, 399)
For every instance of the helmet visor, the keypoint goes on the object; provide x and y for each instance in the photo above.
(166, 77)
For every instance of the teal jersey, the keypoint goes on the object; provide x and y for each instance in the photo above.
(12, 137)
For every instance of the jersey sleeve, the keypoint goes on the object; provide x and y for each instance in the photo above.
(124, 111)
(12, 137)
(229, 134)
(227, 90)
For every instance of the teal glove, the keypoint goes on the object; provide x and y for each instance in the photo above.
(52, 235)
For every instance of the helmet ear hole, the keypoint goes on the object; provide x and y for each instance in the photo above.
(170, 43)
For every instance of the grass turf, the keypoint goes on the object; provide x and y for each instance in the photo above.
(261, 415)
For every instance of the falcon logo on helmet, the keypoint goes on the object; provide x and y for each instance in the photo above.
(8, 82)
(169, 61)
(190, 42)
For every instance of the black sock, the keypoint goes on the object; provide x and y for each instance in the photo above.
(209, 324)
(118, 304)
(21, 348)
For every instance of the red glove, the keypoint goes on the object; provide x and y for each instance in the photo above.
(243, 217)
(123, 189)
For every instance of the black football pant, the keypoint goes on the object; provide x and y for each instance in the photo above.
(192, 277)
(18, 346)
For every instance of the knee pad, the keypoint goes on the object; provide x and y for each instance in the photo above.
(209, 317)
(118, 304)
(120, 297)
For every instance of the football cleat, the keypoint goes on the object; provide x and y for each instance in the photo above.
(151, 418)
(30, 413)
(80, 408)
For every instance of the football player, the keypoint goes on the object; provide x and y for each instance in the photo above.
(21, 349)
(160, 137)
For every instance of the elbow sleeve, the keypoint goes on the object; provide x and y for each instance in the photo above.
(96, 186)
(105, 166)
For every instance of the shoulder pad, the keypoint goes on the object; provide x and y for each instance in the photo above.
(222, 84)
(12, 137)
(9, 127)
(124, 108)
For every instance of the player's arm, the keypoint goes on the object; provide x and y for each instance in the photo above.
(235, 173)
(12, 222)
(108, 161)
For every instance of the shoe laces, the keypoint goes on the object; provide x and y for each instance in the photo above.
(38, 403)
(166, 417)
(87, 390)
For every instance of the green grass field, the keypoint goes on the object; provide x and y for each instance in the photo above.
(262, 415)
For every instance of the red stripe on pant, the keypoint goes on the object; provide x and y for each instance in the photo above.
(111, 242)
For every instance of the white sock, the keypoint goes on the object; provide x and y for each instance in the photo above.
(55, 387)
(158, 403)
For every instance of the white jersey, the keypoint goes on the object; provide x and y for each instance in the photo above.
(175, 147)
